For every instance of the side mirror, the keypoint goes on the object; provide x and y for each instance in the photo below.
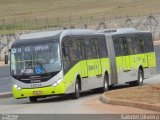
(6, 59)
(66, 50)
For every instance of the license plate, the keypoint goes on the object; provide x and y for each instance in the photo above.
(35, 85)
(37, 92)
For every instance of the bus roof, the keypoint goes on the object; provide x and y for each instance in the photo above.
(121, 31)
(56, 32)
(49, 36)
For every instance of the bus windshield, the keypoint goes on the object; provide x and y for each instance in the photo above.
(35, 59)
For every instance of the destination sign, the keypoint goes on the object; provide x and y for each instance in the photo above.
(30, 48)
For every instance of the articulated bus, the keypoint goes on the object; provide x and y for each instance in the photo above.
(72, 61)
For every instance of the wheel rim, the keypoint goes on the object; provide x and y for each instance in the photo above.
(105, 85)
(140, 78)
(77, 89)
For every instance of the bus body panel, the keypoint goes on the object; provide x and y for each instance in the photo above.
(50, 90)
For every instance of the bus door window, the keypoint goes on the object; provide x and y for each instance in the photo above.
(149, 47)
(97, 55)
(126, 57)
(148, 44)
(118, 48)
(103, 51)
(90, 56)
(66, 59)
(88, 50)
(139, 45)
(130, 46)
(124, 46)
(74, 51)
(83, 64)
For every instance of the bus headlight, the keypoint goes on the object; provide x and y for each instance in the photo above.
(57, 82)
(17, 87)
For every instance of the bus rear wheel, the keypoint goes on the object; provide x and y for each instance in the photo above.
(76, 94)
(139, 81)
(140, 77)
(33, 99)
(105, 85)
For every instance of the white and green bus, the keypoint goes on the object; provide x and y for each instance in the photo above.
(72, 61)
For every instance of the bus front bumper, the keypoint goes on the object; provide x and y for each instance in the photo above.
(39, 92)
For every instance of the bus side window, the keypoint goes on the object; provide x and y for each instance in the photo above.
(80, 52)
(102, 48)
(125, 46)
(130, 45)
(82, 49)
(74, 51)
(88, 49)
(139, 45)
(94, 48)
(141, 39)
(117, 46)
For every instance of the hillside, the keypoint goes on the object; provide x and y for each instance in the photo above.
(65, 8)
(28, 14)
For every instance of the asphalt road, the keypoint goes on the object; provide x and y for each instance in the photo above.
(64, 107)
(5, 81)
(88, 103)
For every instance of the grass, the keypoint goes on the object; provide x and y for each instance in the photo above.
(63, 11)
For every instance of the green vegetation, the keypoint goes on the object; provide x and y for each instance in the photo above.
(39, 14)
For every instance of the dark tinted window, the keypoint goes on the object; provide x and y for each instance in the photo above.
(80, 48)
(90, 49)
(66, 59)
(74, 50)
(118, 46)
(130, 45)
(102, 48)
(139, 44)
(124, 46)
(149, 43)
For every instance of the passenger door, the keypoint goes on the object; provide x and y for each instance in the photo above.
(83, 62)
(126, 58)
(90, 56)
(150, 51)
(97, 57)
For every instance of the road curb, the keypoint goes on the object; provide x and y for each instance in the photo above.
(6, 95)
(106, 100)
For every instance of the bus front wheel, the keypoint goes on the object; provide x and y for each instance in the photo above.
(76, 94)
(33, 99)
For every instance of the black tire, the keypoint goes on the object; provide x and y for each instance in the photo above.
(33, 99)
(105, 85)
(76, 94)
(140, 77)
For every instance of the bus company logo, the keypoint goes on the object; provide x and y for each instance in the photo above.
(9, 117)
(92, 67)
